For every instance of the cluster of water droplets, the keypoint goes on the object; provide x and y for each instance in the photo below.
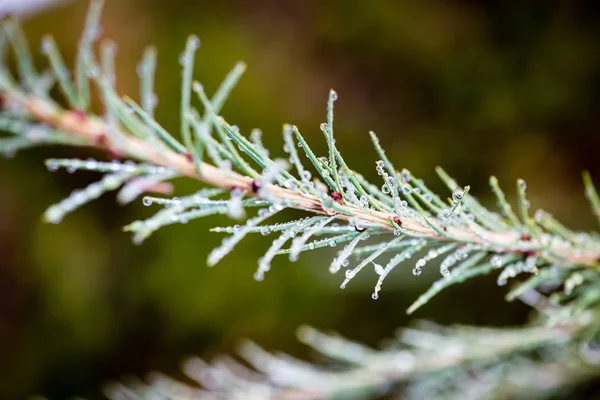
(264, 229)
(446, 214)
(264, 263)
(73, 165)
(342, 259)
(350, 191)
(497, 261)
(181, 210)
(415, 245)
(55, 213)
(327, 242)
(136, 186)
(510, 271)
(513, 269)
(433, 253)
(228, 243)
(299, 242)
(235, 207)
(393, 187)
(459, 255)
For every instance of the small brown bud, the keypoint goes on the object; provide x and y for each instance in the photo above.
(255, 186)
(337, 197)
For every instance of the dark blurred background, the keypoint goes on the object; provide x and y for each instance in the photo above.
(478, 87)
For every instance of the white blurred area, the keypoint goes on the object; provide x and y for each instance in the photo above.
(25, 7)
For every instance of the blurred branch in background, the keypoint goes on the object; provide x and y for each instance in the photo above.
(426, 361)
(25, 7)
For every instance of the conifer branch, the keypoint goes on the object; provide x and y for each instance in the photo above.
(403, 214)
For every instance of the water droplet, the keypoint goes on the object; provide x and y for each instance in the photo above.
(445, 215)
(46, 45)
(259, 276)
(405, 175)
(457, 195)
(416, 271)
(378, 268)
(92, 72)
(183, 58)
(54, 215)
(194, 42)
(350, 274)
(374, 296)
(147, 201)
(539, 216)
(496, 261)
(333, 94)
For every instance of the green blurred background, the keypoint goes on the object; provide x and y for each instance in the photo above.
(479, 87)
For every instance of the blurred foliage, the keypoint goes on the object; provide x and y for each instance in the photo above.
(493, 87)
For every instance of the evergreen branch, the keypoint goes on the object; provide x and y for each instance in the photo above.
(402, 214)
